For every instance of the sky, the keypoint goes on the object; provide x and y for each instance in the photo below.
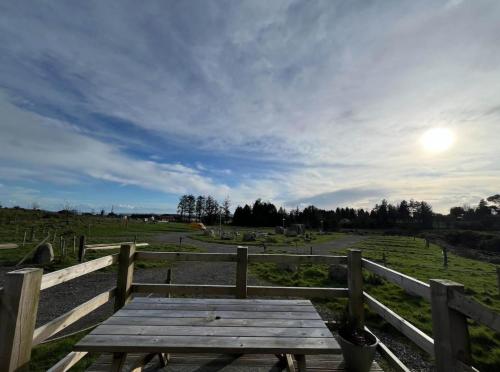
(131, 104)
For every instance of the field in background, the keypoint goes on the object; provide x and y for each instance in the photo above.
(411, 257)
(14, 223)
(272, 239)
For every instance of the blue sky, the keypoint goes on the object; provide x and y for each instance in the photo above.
(133, 103)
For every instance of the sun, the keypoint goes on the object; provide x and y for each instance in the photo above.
(436, 140)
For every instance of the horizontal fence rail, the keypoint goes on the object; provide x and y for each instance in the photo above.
(185, 289)
(422, 340)
(406, 282)
(56, 325)
(183, 256)
(72, 272)
(68, 361)
(306, 292)
(297, 259)
(98, 247)
(474, 310)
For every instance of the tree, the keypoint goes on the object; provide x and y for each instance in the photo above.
(200, 207)
(190, 206)
(211, 210)
(182, 206)
(226, 213)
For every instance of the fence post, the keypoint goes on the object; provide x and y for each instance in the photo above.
(498, 278)
(355, 284)
(81, 248)
(125, 275)
(19, 302)
(241, 272)
(169, 281)
(449, 327)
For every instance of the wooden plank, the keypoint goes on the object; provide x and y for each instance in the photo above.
(241, 272)
(184, 289)
(474, 310)
(449, 327)
(215, 307)
(221, 314)
(68, 361)
(19, 304)
(193, 344)
(107, 247)
(155, 330)
(355, 284)
(125, 275)
(186, 256)
(422, 340)
(222, 301)
(203, 321)
(58, 324)
(9, 246)
(72, 272)
(308, 292)
(409, 284)
(297, 259)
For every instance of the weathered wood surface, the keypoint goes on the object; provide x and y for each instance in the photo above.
(58, 324)
(185, 289)
(409, 284)
(306, 292)
(182, 256)
(449, 327)
(125, 275)
(241, 272)
(189, 321)
(474, 310)
(72, 272)
(9, 246)
(297, 259)
(18, 309)
(102, 247)
(222, 314)
(422, 340)
(232, 363)
(212, 329)
(355, 285)
(68, 361)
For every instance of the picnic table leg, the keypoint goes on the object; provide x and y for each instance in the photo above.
(118, 361)
(301, 361)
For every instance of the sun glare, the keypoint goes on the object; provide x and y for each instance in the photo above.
(436, 140)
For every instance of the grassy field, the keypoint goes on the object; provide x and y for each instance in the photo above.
(270, 240)
(410, 256)
(13, 224)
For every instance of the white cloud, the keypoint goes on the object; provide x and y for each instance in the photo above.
(309, 85)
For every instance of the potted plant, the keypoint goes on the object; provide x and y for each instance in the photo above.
(357, 344)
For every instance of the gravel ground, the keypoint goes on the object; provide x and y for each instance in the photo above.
(62, 298)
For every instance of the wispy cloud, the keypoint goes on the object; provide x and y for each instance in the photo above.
(288, 100)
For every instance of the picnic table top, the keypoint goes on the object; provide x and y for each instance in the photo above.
(212, 325)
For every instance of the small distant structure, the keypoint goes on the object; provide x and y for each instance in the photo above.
(197, 226)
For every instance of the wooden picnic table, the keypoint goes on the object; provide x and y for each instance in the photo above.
(231, 326)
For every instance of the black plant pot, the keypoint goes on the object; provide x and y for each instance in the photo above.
(358, 358)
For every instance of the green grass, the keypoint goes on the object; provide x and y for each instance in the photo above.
(271, 240)
(410, 257)
(46, 355)
(13, 224)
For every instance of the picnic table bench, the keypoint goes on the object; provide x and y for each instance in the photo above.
(227, 326)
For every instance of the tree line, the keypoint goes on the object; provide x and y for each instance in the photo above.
(410, 214)
(416, 214)
(204, 209)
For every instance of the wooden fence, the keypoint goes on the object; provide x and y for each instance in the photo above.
(450, 307)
